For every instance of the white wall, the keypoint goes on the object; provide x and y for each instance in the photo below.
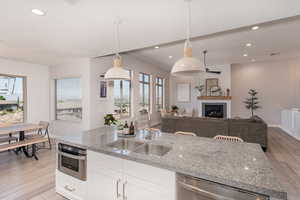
(75, 68)
(101, 65)
(278, 84)
(37, 81)
(224, 83)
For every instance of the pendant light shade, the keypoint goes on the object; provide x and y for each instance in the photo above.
(188, 65)
(117, 72)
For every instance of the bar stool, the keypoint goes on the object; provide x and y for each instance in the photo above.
(228, 138)
(184, 133)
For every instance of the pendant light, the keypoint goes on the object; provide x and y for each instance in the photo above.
(117, 72)
(188, 65)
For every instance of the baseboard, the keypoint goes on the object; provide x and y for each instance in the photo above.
(288, 132)
(274, 125)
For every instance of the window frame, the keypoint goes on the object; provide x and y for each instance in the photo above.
(55, 98)
(143, 82)
(130, 94)
(24, 89)
(157, 87)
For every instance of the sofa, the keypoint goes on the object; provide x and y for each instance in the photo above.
(253, 130)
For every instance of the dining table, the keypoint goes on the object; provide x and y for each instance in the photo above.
(20, 129)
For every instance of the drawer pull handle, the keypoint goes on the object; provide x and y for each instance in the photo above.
(118, 182)
(124, 190)
(69, 188)
(203, 192)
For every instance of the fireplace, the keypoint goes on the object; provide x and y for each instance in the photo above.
(215, 110)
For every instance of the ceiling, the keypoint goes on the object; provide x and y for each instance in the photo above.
(280, 37)
(84, 28)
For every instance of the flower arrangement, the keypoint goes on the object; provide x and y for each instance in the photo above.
(109, 120)
(200, 88)
(174, 109)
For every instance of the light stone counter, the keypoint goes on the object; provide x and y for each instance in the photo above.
(240, 165)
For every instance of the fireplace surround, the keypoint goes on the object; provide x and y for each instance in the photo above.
(214, 110)
(215, 106)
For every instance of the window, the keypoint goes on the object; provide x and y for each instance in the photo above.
(12, 96)
(122, 97)
(68, 99)
(145, 91)
(159, 88)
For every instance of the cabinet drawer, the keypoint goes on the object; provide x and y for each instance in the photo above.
(153, 175)
(70, 187)
(98, 162)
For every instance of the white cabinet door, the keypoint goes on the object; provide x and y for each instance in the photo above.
(135, 188)
(111, 178)
(103, 187)
(137, 192)
(103, 174)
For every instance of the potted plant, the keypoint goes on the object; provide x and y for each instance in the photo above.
(200, 88)
(174, 109)
(252, 102)
(109, 120)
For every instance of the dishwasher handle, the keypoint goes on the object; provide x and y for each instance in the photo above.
(203, 192)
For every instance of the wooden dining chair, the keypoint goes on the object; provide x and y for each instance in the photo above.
(45, 132)
(228, 138)
(9, 138)
(184, 133)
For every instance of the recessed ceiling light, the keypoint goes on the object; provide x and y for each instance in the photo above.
(248, 45)
(38, 12)
(255, 28)
(170, 57)
(156, 47)
(245, 55)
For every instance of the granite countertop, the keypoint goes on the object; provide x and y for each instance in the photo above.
(240, 165)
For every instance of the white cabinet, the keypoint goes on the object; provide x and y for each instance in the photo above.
(111, 178)
(290, 122)
(136, 190)
(70, 187)
(101, 186)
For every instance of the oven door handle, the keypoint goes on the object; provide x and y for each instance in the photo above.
(203, 192)
(72, 156)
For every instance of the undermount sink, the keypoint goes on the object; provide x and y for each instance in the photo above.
(124, 145)
(153, 149)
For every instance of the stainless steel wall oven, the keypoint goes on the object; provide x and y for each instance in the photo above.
(72, 161)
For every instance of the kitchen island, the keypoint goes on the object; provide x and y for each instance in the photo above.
(241, 166)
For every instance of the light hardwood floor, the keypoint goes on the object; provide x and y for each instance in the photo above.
(23, 179)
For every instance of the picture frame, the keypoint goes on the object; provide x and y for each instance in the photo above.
(183, 92)
(103, 89)
(209, 83)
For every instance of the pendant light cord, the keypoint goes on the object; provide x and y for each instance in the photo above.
(189, 19)
(188, 33)
(204, 57)
(117, 23)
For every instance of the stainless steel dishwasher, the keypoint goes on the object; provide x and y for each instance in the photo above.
(191, 188)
